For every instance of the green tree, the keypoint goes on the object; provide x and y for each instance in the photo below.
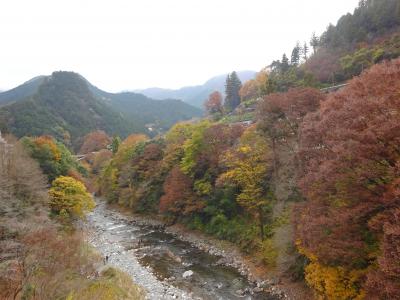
(295, 58)
(115, 144)
(284, 64)
(232, 88)
(53, 157)
(314, 42)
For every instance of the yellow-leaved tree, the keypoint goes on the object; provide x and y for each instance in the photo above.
(247, 167)
(69, 198)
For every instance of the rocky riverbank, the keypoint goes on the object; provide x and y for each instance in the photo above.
(229, 253)
(99, 226)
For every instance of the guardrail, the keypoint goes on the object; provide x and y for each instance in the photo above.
(333, 88)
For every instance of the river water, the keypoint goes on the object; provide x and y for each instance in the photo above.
(168, 268)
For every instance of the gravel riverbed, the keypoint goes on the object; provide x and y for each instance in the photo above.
(101, 225)
(116, 235)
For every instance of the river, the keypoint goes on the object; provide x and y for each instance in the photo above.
(167, 267)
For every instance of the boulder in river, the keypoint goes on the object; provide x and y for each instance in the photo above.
(187, 274)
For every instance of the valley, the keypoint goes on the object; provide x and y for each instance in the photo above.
(278, 184)
(158, 260)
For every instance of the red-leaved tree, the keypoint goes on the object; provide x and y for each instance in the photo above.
(350, 154)
(214, 103)
(179, 198)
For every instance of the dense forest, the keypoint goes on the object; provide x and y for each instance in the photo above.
(323, 165)
(67, 106)
(316, 170)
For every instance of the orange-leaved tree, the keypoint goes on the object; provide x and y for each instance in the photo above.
(351, 164)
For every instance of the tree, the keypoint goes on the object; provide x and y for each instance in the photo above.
(314, 42)
(21, 178)
(305, 51)
(249, 90)
(247, 166)
(213, 104)
(324, 66)
(259, 86)
(281, 114)
(99, 160)
(285, 63)
(95, 141)
(295, 58)
(116, 141)
(350, 154)
(69, 198)
(179, 198)
(232, 88)
(127, 147)
(53, 157)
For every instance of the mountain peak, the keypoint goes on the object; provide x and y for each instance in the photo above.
(66, 106)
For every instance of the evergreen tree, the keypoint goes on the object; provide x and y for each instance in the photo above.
(305, 51)
(115, 144)
(295, 59)
(285, 63)
(314, 42)
(232, 87)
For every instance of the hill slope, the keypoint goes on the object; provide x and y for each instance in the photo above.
(195, 95)
(67, 107)
(22, 91)
(162, 114)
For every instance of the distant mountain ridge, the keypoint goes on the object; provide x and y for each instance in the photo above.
(195, 95)
(66, 106)
(22, 91)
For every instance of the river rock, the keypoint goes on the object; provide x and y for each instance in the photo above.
(187, 274)
(171, 255)
(240, 292)
(257, 290)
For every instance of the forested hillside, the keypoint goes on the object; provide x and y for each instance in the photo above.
(67, 107)
(63, 107)
(159, 115)
(195, 95)
(328, 161)
(358, 41)
(308, 185)
(20, 92)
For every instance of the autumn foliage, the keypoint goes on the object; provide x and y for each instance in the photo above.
(95, 141)
(179, 197)
(332, 162)
(214, 103)
(69, 198)
(350, 155)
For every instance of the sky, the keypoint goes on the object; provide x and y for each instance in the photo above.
(130, 44)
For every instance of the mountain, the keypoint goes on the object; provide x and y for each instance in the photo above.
(66, 106)
(160, 114)
(195, 95)
(22, 91)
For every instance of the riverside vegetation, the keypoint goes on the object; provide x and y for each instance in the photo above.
(310, 188)
(42, 254)
(330, 162)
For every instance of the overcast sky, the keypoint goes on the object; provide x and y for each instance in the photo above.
(130, 44)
